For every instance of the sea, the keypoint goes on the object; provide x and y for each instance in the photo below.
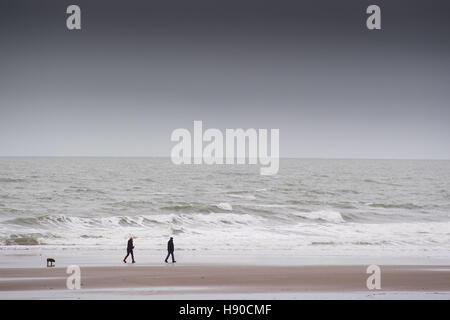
(313, 207)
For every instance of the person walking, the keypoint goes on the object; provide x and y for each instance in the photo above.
(170, 250)
(130, 248)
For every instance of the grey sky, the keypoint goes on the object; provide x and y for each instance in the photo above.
(140, 69)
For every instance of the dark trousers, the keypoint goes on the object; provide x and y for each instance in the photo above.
(168, 255)
(128, 253)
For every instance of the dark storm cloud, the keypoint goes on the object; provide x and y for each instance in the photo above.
(139, 69)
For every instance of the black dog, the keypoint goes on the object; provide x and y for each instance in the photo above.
(50, 262)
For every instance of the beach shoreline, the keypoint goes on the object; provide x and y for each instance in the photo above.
(216, 281)
(35, 257)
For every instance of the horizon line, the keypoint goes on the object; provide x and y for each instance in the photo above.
(168, 157)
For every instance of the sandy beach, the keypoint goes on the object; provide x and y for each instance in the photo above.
(133, 281)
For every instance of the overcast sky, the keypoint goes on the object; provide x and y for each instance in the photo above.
(140, 69)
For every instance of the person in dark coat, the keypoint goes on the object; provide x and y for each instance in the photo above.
(170, 250)
(130, 248)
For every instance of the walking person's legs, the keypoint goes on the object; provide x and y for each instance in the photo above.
(173, 257)
(168, 254)
(125, 259)
(132, 256)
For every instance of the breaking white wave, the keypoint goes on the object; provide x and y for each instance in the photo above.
(225, 206)
(323, 215)
(322, 205)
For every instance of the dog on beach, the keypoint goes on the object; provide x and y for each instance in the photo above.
(50, 262)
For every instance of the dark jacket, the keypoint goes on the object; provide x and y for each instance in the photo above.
(170, 246)
(130, 245)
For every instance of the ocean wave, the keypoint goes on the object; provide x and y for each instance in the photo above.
(270, 205)
(12, 180)
(83, 190)
(355, 243)
(239, 191)
(38, 221)
(130, 204)
(22, 240)
(409, 206)
(382, 182)
(246, 213)
(320, 229)
(176, 230)
(13, 211)
(322, 215)
(323, 243)
(243, 196)
(177, 207)
(85, 223)
(321, 192)
(212, 219)
(368, 243)
(343, 205)
(87, 236)
(348, 191)
(193, 208)
(225, 206)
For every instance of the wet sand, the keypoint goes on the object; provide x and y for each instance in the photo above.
(235, 279)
